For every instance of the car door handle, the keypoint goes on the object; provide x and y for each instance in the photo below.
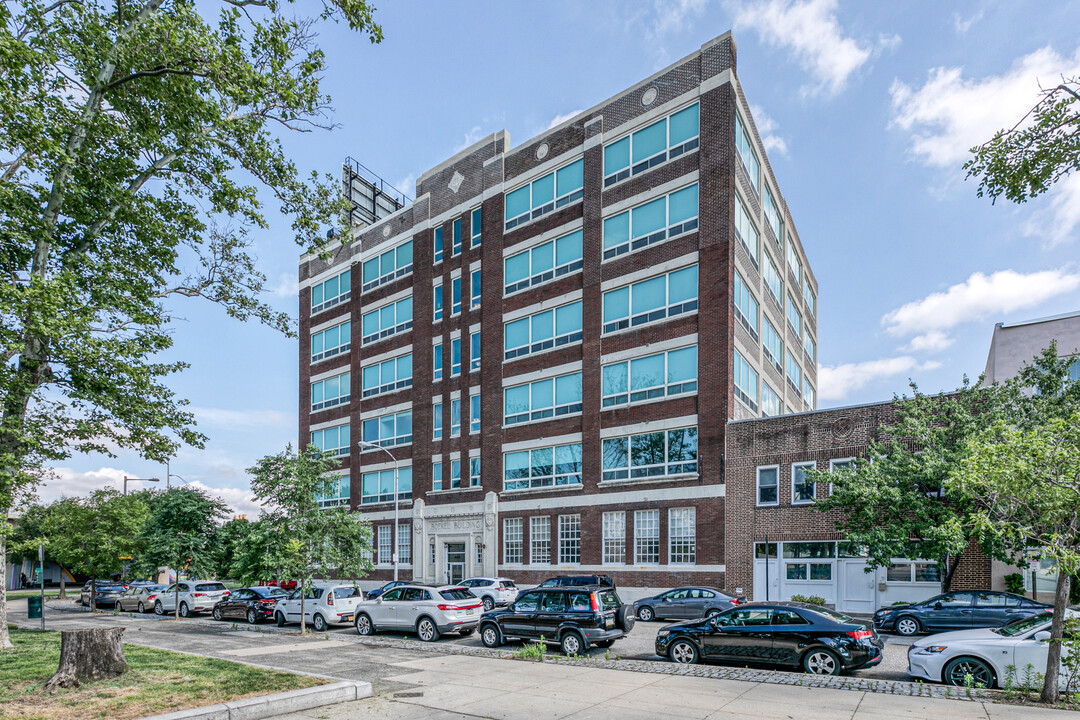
(966, 612)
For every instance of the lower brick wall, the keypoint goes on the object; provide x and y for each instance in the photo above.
(972, 570)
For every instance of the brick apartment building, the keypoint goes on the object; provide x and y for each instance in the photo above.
(550, 340)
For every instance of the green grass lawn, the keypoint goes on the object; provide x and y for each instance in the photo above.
(159, 681)
(50, 593)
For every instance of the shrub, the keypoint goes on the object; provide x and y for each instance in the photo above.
(811, 599)
(1014, 583)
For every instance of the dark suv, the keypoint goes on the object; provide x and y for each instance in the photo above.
(578, 580)
(575, 617)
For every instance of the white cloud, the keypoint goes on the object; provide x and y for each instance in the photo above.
(407, 185)
(288, 286)
(667, 18)
(218, 417)
(812, 33)
(933, 341)
(560, 119)
(962, 24)
(978, 297)
(837, 383)
(1058, 220)
(673, 15)
(474, 135)
(239, 500)
(766, 128)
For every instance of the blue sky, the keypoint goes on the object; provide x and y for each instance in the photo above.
(867, 110)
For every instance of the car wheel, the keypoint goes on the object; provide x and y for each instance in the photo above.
(488, 604)
(280, 619)
(968, 672)
(908, 626)
(158, 608)
(426, 630)
(217, 613)
(364, 625)
(645, 614)
(573, 644)
(490, 636)
(252, 618)
(820, 661)
(184, 611)
(319, 622)
(712, 611)
(142, 609)
(464, 632)
(683, 652)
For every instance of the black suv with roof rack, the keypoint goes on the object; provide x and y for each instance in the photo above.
(578, 580)
(575, 617)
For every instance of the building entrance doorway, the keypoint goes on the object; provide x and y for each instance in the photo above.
(455, 563)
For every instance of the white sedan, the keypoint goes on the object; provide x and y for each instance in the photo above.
(984, 657)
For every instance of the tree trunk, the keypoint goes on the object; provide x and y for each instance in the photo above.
(63, 582)
(88, 655)
(5, 640)
(1050, 692)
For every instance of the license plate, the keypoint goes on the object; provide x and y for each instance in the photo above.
(609, 623)
(471, 611)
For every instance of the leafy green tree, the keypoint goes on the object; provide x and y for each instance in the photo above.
(32, 532)
(134, 140)
(300, 538)
(226, 544)
(180, 532)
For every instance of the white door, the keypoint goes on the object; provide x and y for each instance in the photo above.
(773, 572)
(856, 589)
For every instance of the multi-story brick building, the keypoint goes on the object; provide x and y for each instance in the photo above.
(549, 341)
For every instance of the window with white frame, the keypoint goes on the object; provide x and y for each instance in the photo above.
(438, 290)
(475, 228)
(332, 292)
(810, 347)
(653, 222)
(649, 455)
(746, 306)
(771, 405)
(647, 378)
(905, 571)
(543, 263)
(646, 537)
(810, 298)
(569, 539)
(385, 557)
(404, 544)
(543, 195)
(455, 418)
(455, 296)
(388, 320)
(387, 376)
(331, 342)
(455, 357)
(803, 553)
(772, 215)
(542, 399)
(436, 362)
(793, 261)
(794, 374)
(474, 288)
(474, 413)
(641, 150)
(388, 430)
(332, 440)
(682, 536)
(330, 392)
(542, 331)
(745, 150)
(746, 382)
(455, 474)
(474, 351)
(388, 266)
(773, 282)
(768, 485)
(651, 300)
(794, 317)
(542, 467)
(773, 345)
(512, 540)
(808, 394)
(474, 471)
(540, 540)
(436, 476)
(614, 538)
(802, 488)
(840, 465)
(746, 231)
(378, 486)
(334, 492)
(438, 243)
(455, 234)
(436, 424)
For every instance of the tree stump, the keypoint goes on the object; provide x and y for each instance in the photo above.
(88, 655)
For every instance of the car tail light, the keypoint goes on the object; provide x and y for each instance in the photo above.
(860, 634)
(595, 602)
(267, 600)
(198, 595)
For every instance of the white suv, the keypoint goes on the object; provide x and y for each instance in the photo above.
(425, 610)
(324, 604)
(493, 591)
(194, 596)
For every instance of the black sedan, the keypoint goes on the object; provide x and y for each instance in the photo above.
(957, 611)
(383, 588)
(785, 634)
(106, 593)
(252, 604)
(684, 603)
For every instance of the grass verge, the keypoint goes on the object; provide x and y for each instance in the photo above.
(159, 681)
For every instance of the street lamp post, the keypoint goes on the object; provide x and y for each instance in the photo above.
(394, 536)
(135, 479)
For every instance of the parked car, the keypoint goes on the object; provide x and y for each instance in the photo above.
(288, 585)
(684, 603)
(84, 593)
(324, 604)
(492, 591)
(957, 611)
(372, 594)
(137, 597)
(194, 596)
(785, 634)
(578, 580)
(105, 593)
(427, 611)
(985, 656)
(252, 604)
(575, 617)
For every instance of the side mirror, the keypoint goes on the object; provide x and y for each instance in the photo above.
(512, 607)
(1041, 636)
(665, 599)
(937, 606)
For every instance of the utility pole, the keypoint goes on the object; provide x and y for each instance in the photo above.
(135, 479)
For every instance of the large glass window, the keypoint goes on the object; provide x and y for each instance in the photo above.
(455, 234)
(746, 382)
(794, 373)
(747, 155)
(387, 376)
(810, 347)
(475, 227)
(794, 316)
(774, 347)
(390, 265)
(643, 149)
(655, 221)
(542, 467)
(438, 243)
(810, 298)
(649, 455)
(331, 342)
(541, 196)
(540, 540)
(808, 394)
(455, 418)
(772, 215)
(333, 440)
(646, 537)
(569, 539)
(332, 292)
(330, 392)
(436, 362)
(334, 492)
(388, 320)
(436, 476)
(771, 405)
(542, 399)
(543, 331)
(404, 547)
(653, 376)
(474, 288)
(384, 545)
(512, 540)
(682, 536)
(455, 357)
(772, 280)
(542, 263)
(474, 472)
(746, 306)
(474, 351)
(651, 300)
(793, 261)
(436, 421)
(614, 538)
(474, 413)
(455, 296)
(768, 485)
(389, 430)
(802, 489)
(438, 301)
(746, 230)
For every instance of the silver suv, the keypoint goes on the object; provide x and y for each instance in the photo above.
(324, 604)
(493, 591)
(428, 611)
(194, 596)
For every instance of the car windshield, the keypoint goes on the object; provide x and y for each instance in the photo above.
(209, 587)
(1019, 627)
(456, 594)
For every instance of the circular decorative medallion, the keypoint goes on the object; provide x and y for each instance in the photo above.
(386, 231)
(649, 96)
(542, 151)
(843, 427)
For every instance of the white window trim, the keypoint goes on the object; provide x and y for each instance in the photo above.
(757, 486)
(807, 464)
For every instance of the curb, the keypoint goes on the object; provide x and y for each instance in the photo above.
(265, 706)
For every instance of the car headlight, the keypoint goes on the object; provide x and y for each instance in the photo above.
(663, 633)
(932, 649)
